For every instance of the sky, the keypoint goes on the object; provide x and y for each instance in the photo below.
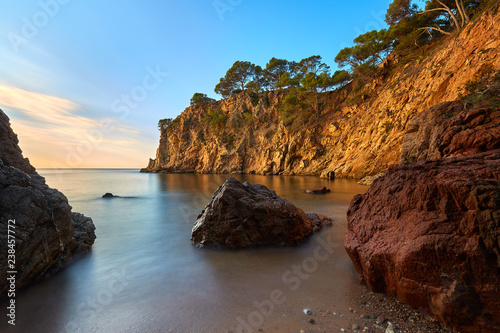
(85, 82)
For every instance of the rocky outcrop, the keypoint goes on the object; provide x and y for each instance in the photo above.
(429, 234)
(368, 181)
(327, 174)
(245, 215)
(47, 233)
(360, 130)
(318, 190)
(449, 129)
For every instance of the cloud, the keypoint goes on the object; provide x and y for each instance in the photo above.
(41, 107)
(52, 131)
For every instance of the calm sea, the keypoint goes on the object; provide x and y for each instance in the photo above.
(144, 275)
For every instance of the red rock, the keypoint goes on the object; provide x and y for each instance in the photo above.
(448, 129)
(429, 234)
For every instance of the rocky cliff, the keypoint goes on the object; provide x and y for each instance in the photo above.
(360, 130)
(47, 234)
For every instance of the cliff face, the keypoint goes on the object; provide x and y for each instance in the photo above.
(47, 234)
(359, 133)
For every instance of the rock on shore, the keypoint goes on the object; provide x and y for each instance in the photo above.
(429, 234)
(47, 233)
(245, 215)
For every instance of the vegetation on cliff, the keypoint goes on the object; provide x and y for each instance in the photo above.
(409, 28)
(352, 121)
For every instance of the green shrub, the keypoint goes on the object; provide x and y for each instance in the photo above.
(216, 118)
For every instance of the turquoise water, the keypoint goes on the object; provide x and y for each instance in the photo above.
(144, 275)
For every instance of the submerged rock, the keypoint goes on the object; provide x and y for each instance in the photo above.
(429, 234)
(47, 233)
(318, 190)
(245, 215)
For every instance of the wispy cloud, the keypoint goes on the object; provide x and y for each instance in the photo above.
(41, 107)
(54, 129)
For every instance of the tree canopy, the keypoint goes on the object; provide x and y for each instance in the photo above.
(238, 77)
(409, 27)
(199, 99)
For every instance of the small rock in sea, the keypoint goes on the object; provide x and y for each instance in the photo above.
(307, 312)
(380, 320)
(318, 190)
(355, 326)
(108, 195)
(312, 321)
(390, 328)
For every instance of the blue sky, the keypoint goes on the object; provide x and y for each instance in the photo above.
(67, 66)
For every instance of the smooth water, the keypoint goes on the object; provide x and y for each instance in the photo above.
(144, 275)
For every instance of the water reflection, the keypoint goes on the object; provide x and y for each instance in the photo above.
(143, 245)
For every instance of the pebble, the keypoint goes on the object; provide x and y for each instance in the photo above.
(390, 328)
(363, 316)
(307, 312)
(342, 329)
(355, 326)
(380, 320)
(312, 321)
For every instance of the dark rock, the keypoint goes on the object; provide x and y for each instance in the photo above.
(429, 234)
(380, 320)
(318, 190)
(47, 233)
(109, 195)
(244, 215)
(328, 174)
(312, 321)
